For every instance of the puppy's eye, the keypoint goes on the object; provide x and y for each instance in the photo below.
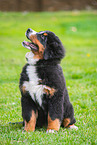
(42, 36)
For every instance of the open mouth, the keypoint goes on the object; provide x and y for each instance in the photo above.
(30, 46)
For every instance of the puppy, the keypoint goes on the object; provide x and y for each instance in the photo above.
(45, 99)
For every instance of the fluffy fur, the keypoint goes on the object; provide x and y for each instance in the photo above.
(45, 99)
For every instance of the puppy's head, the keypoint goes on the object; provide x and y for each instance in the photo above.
(44, 45)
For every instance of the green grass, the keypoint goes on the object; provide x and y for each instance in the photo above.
(78, 33)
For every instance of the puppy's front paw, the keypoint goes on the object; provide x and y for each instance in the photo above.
(51, 131)
(73, 127)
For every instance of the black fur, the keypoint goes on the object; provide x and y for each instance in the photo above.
(54, 48)
(50, 72)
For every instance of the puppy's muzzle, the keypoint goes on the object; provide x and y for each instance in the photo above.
(30, 32)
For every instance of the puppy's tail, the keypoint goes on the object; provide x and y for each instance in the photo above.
(14, 123)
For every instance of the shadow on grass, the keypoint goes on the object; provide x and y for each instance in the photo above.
(18, 126)
(10, 127)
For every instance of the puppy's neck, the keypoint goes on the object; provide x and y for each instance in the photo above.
(30, 58)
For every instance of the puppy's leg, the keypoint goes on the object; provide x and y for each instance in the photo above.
(55, 112)
(29, 113)
(67, 124)
(68, 118)
(30, 125)
(53, 125)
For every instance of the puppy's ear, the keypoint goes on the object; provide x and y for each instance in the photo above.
(54, 49)
(47, 53)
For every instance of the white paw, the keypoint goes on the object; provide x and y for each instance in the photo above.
(73, 127)
(50, 131)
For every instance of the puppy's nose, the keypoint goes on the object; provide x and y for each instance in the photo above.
(29, 30)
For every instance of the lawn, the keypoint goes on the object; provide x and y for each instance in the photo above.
(78, 33)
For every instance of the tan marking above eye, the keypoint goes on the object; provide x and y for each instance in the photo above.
(45, 34)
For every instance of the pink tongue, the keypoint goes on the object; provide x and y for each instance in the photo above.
(27, 43)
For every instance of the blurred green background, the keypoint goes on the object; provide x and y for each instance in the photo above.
(78, 33)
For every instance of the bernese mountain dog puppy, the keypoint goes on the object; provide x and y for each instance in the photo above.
(45, 99)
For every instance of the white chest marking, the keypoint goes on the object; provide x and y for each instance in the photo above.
(32, 86)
